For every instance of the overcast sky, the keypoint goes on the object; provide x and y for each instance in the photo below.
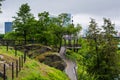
(82, 10)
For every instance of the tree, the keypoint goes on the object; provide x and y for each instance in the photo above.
(93, 37)
(103, 57)
(1, 5)
(22, 23)
(64, 21)
(44, 31)
(109, 57)
(62, 25)
(10, 36)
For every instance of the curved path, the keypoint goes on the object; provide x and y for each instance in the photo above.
(70, 69)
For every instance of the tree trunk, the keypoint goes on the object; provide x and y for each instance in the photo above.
(25, 37)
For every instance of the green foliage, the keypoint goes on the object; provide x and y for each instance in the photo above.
(57, 75)
(23, 23)
(43, 30)
(46, 30)
(1, 36)
(63, 19)
(10, 36)
(81, 65)
(103, 51)
(73, 55)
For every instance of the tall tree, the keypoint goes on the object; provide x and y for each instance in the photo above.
(22, 23)
(93, 40)
(44, 31)
(64, 21)
(103, 51)
(109, 57)
(62, 25)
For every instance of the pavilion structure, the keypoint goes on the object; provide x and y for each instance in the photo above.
(71, 42)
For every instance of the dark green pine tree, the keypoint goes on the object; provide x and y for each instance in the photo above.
(110, 67)
(104, 60)
(93, 38)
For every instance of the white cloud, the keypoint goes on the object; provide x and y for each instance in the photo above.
(84, 20)
(82, 10)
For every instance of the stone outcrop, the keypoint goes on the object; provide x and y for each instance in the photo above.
(45, 55)
(52, 60)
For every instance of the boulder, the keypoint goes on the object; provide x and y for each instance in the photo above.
(52, 60)
(38, 51)
(1, 57)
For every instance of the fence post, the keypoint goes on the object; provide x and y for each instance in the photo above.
(24, 56)
(7, 45)
(19, 64)
(21, 60)
(15, 50)
(12, 71)
(4, 74)
(16, 68)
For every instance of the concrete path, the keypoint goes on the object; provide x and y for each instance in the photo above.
(70, 69)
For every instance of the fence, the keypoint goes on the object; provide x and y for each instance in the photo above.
(17, 42)
(11, 70)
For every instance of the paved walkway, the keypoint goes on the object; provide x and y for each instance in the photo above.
(70, 69)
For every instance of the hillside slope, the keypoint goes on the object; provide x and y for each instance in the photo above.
(32, 70)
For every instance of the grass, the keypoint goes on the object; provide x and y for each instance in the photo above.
(32, 69)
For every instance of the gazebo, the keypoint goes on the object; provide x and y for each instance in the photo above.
(71, 42)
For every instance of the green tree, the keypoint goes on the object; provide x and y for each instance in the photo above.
(64, 21)
(44, 31)
(10, 36)
(73, 30)
(109, 57)
(62, 25)
(93, 36)
(56, 30)
(22, 23)
(103, 57)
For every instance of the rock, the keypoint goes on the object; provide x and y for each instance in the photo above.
(53, 60)
(1, 57)
(45, 49)
(59, 65)
(2, 62)
(38, 51)
(7, 65)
